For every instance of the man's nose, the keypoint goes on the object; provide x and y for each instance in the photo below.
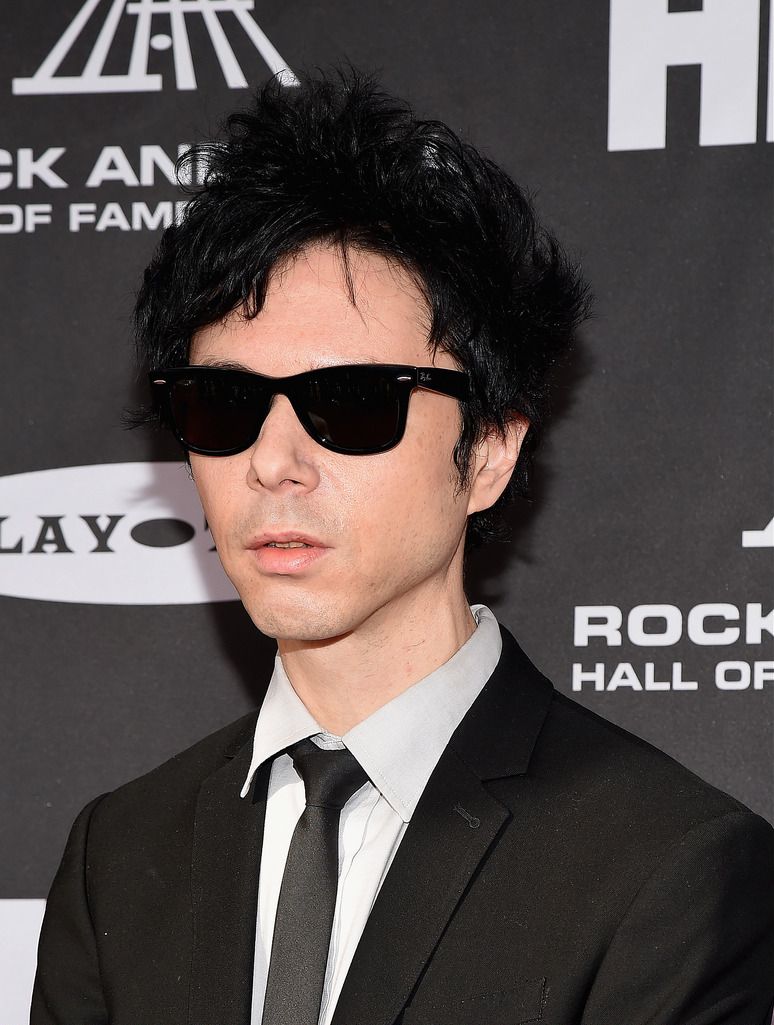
(283, 455)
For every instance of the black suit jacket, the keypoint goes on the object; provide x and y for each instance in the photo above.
(557, 870)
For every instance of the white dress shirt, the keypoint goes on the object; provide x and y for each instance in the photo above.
(398, 746)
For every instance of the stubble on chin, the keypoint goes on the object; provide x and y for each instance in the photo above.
(308, 622)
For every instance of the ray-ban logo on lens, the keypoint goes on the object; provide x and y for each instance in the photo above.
(110, 534)
(111, 15)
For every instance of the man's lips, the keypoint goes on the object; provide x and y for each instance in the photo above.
(286, 561)
(285, 537)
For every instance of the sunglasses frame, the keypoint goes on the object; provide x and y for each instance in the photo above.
(441, 380)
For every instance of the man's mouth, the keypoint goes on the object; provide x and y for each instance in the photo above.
(287, 552)
(285, 539)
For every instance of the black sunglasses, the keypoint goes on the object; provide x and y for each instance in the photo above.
(356, 409)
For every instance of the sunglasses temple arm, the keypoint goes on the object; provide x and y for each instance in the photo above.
(444, 382)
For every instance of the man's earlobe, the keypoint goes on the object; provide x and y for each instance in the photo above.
(497, 456)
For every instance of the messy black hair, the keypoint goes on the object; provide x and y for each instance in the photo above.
(336, 160)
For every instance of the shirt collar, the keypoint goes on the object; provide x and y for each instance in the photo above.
(400, 743)
(282, 720)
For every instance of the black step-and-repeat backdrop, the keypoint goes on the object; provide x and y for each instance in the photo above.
(640, 578)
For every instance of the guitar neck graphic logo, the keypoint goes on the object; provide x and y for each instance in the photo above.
(91, 79)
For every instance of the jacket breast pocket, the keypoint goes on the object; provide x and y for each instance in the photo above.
(518, 1005)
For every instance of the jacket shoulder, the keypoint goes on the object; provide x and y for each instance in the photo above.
(171, 788)
(616, 769)
(202, 758)
(592, 763)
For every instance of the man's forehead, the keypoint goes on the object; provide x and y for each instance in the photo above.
(315, 363)
(316, 315)
(332, 265)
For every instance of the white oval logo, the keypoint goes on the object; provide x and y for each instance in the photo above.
(108, 534)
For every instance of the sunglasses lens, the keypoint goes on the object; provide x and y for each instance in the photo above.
(353, 409)
(356, 409)
(217, 412)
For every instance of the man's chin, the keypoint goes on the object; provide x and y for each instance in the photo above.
(307, 623)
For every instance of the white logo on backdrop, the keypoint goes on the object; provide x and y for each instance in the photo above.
(92, 78)
(664, 625)
(722, 38)
(108, 534)
(19, 930)
(759, 538)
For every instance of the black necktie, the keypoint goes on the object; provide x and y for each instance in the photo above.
(307, 900)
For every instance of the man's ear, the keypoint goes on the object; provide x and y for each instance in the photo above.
(493, 461)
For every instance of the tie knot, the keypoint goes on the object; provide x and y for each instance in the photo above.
(330, 777)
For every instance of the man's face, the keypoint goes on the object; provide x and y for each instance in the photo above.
(388, 528)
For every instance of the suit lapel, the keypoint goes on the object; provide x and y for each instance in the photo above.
(225, 859)
(454, 826)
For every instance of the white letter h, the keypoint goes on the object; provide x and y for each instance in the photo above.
(645, 39)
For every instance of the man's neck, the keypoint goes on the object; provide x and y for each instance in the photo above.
(344, 681)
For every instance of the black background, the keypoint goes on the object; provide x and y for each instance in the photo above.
(659, 457)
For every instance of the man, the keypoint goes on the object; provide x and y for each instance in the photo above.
(351, 335)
